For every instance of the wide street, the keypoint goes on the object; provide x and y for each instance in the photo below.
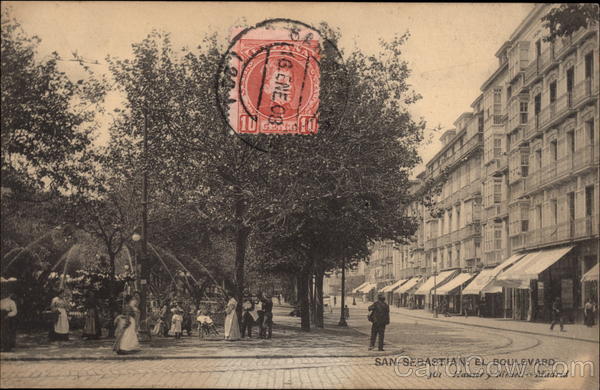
(324, 358)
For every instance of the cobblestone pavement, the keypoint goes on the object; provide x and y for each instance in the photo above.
(330, 358)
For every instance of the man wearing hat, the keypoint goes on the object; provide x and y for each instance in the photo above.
(379, 315)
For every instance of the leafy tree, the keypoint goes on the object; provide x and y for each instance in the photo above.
(47, 119)
(565, 19)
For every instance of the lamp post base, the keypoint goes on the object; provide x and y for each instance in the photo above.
(342, 323)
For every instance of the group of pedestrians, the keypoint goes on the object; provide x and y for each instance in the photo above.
(255, 311)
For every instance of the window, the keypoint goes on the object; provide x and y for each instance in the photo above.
(497, 101)
(571, 204)
(554, 211)
(537, 104)
(571, 142)
(570, 79)
(552, 88)
(590, 131)
(538, 215)
(589, 65)
(538, 48)
(589, 201)
(523, 112)
(553, 150)
(497, 190)
(497, 147)
(538, 158)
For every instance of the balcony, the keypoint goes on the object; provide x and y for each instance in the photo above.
(533, 128)
(578, 229)
(499, 120)
(498, 166)
(496, 212)
(586, 90)
(471, 230)
(548, 172)
(532, 72)
(586, 157)
(586, 227)
(518, 241)
(454, 237)
(431, 243)
(532, 182)
(556, 110)
(547, 59)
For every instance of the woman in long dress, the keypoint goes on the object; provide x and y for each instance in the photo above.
(60, 330)
(8, 326)
(232, 327)
(126, 340)
(92, 329)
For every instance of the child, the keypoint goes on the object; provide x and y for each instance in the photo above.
(176, 323)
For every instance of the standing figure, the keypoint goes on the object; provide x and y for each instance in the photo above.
(165, 316)
(126, 339)
(266, 325)
(247, 319)
(91, 328)
(60, 328)
(346, 312)
(588, 312)
(379, 315)
(232, 327)
(557, 315)
(176, 322)
(8, 324)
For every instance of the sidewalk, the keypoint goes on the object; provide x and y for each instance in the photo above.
(288, 342)
(573, 331)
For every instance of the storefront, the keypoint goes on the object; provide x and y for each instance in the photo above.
(540, 277)
(450, 294)
(389, 291)
(429, 288)
(404, 296)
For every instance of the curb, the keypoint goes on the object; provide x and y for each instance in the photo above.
(188, 357)
(503, 329)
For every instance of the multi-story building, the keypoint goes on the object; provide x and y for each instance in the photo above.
(521, 177)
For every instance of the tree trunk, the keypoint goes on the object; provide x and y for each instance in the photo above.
(303, 300)
(319, 298)
(241, 243)
(311, 295)
(112, 303)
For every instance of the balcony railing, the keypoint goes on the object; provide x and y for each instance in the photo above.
(586, 157)
(548, 172)
(454, 236)
(533, 127)
(556, 109)
(580, 228)
(532, 182)
(586, 89)
(518, 241)
(471, 230)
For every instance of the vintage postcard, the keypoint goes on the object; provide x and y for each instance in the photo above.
(307, 195)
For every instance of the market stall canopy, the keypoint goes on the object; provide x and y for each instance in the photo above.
(393, 286)
(408, 285)
(450, 287)
(592, 274)
(435, 281)
(359, 287)
(529, 268)
(368, 288)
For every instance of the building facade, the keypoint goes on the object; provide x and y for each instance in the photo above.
(521, 174)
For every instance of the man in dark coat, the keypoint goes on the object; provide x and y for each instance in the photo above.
(379, 315)
(266, 325)
(557, 315)
(247, 319)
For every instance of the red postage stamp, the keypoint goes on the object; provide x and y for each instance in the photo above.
(277, 83)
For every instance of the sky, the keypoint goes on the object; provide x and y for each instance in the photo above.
(451, 48)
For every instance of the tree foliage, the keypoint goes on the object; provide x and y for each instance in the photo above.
(565, 19)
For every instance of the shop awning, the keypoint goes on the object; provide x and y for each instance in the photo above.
(481, 281)
(410, 283)
(454, 284)
(368, 288)
(533, 264)
(494, 287)
(359, 287)
(392, 286)
(592, 274)
(438, 280)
